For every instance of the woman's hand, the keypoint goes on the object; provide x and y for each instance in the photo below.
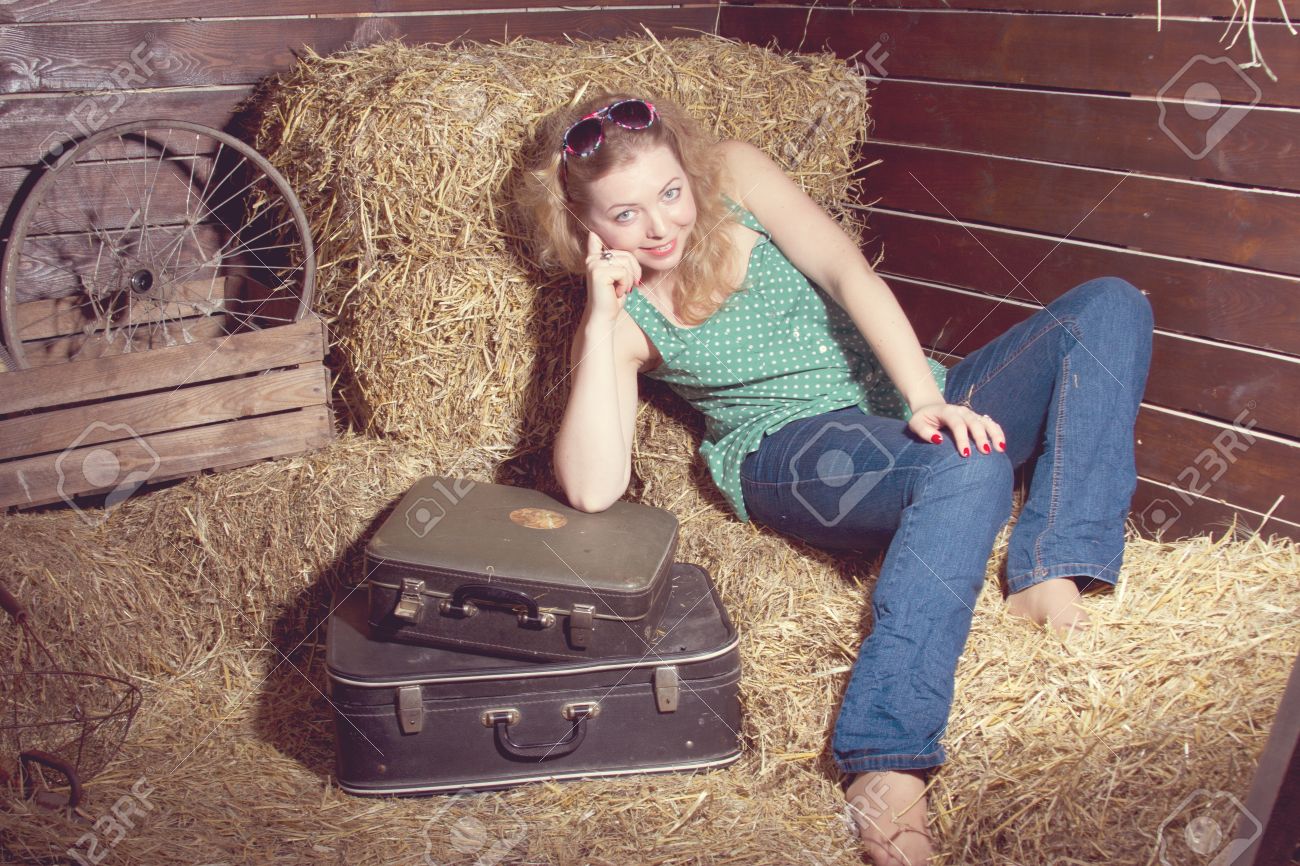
(965, 423)
(611, 274)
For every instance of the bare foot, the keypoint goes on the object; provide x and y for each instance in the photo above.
(888, 811)
(1054, 602)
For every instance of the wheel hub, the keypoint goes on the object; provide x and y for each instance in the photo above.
(141, 281)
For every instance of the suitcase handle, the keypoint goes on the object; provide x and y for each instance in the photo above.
(578, 714)
(459, 604)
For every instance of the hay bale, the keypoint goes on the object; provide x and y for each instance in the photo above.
(404, 159)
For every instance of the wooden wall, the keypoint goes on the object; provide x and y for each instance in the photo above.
(1022, 149)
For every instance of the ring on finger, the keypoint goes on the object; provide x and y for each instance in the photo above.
(606, 256)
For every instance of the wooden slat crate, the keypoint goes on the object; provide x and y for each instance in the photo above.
(107, 425)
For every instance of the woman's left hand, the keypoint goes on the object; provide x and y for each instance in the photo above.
(966, 425)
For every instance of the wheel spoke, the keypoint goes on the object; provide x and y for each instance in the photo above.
(127, 264)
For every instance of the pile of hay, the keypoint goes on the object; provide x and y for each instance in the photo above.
(210, 593)
(1060, 753)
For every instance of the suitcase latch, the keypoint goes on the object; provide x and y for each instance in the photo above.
(665, 681)
(580, 710)
(410, 709)
(581, 622)
(410, 602)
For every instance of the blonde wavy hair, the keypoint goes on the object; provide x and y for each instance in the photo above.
(551, 210)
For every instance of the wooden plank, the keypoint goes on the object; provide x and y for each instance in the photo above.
(1155, 507)
(1222, 224)
(130, 55)
(54, 317)
(287, 346)
(1142, 8)
(119, 467)
(1219, 303)
(81, 347)
(1081, 129)
(31, 11)
(1100, 54)
(1220, 462)
(32, 125)
(54, 267)
(1269, 821)
(83, 426)
(109, 195)
(1209, 379)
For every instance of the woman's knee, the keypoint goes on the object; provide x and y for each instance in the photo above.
(986, 477)
(1116, 299)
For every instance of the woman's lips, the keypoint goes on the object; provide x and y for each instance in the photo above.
(666, 251)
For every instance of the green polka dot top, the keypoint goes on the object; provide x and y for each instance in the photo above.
(778, 350)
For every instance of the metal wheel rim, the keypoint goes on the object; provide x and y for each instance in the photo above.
(14, 250)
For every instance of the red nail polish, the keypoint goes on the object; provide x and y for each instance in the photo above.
(1002, 446)
(965, 452)
(985, 448)
(936, 439)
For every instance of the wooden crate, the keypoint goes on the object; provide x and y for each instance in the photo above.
(107, 425)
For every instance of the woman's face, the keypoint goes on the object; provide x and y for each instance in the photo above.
(646, 208)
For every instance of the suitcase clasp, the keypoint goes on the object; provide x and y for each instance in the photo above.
(410, 709)
(410, 603)
(581, 623)
(579, 710)
(665, 681)
(509, 716)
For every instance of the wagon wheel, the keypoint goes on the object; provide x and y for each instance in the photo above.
(149, 234)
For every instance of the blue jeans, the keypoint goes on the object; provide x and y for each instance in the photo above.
(1064, 385)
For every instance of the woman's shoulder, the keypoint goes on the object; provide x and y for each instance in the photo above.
(739, 158)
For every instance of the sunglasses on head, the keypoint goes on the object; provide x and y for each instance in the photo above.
(584, 138)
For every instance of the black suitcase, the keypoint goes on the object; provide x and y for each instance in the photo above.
(510, 571)
(415, 720)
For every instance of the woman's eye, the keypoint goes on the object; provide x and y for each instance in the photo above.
(673, 193)
(623, 216)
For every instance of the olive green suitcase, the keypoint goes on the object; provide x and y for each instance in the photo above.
(510, 571)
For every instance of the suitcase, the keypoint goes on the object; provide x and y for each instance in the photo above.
(411, 719)
(510, 571)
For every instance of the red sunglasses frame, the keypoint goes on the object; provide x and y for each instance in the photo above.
(602, 115)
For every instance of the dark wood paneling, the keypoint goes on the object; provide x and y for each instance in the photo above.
(1223, 224)
(32, 126)
(1181, 516)
(28, 11)
(188, 53)
(1087, 53)
(1145, 8)
(109, 196)
(1206, 379)
(1219, 462)
(1244, 307)
(65, 266)
(1100, 131)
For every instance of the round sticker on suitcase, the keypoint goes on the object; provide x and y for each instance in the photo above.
(538, 518)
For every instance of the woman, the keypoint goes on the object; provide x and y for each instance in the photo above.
(708, 268)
